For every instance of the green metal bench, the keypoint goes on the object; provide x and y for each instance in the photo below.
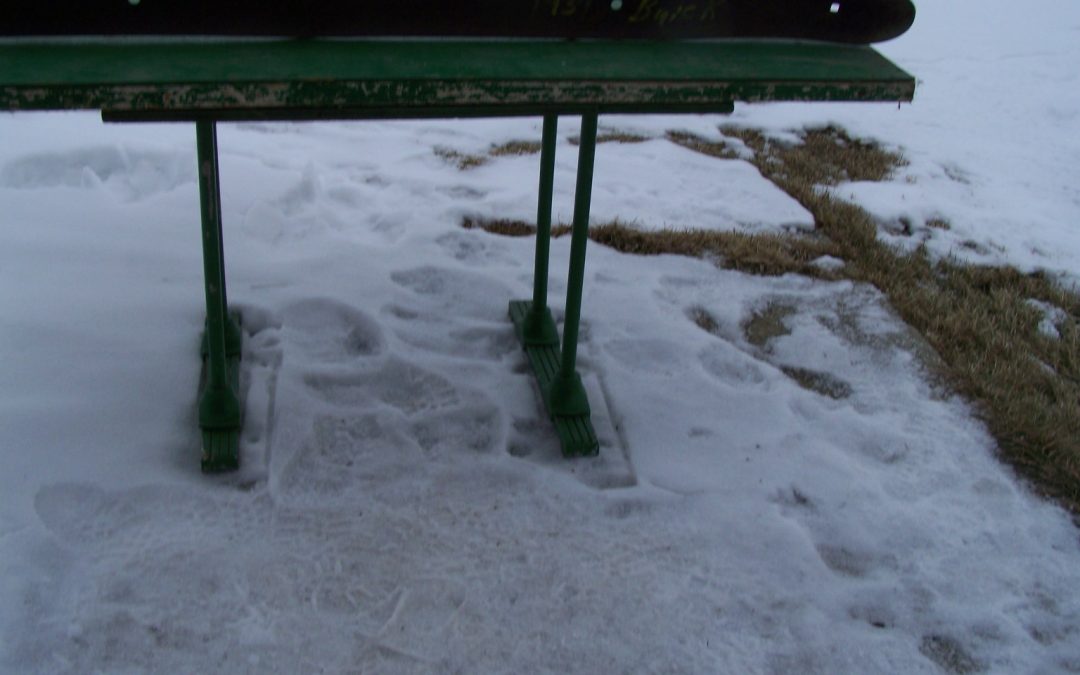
(216, 80)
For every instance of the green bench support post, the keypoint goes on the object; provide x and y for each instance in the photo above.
(555, 369)
(539, 328)
(219, 406)
(566, 394)
(233, 337)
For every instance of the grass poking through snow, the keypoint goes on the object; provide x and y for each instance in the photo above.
(765, 254)
(767, 324)
(704, 146)
(1024, 383)
(463, 161)
(704, 320)
(613, 137)
(512, 148)
(510, 228)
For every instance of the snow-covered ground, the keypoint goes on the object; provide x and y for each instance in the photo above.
(402, 505)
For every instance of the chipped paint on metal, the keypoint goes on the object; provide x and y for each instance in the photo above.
(388, 76)
(446, 93)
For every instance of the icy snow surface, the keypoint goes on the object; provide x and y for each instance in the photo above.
(790, 497)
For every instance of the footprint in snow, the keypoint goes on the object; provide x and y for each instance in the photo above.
(195, 579)
(460, 292)
(468, 429)
(474, 249)
(462, 192)
(732, 366)
(665, 358)
(328, 331)
(385, 426)
(396, 383)
(350, 457)
(134, 174)
(440, 335)
(847, 554)
(357, 457)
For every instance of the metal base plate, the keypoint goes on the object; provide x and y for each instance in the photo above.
(576, 433)
(221, 447)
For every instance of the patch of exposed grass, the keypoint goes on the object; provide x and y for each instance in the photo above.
(696, 143)
(765, 254)
(949, 654)
(613, 137)
(461, 160)
(974, 247)
(819, 382)
(938, 224)
(767, 324)
(1024, 384)
(510, 228)
(515, 148)
(704, 319)
(826, 156)
(506, 228)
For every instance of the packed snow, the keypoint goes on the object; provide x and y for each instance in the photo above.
(781, 488)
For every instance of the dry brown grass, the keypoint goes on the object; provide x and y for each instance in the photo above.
(461, 160)
(819, 382)
(826, 156)
(704, 319)
(512, 148)
(764, 254)
(510, 228)
(1027, 386)
(717, 149)
(613, 137)
(767, 324)
(1023, 384)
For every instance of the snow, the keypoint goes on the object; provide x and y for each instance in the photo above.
(993, 138)
(808, 501)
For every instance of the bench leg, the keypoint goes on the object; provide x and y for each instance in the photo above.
(211, 198)
(539, 328)
(566, 395)
(219, 407)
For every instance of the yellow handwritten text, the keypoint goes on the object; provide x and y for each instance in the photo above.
(665, 13)
(564, 7)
